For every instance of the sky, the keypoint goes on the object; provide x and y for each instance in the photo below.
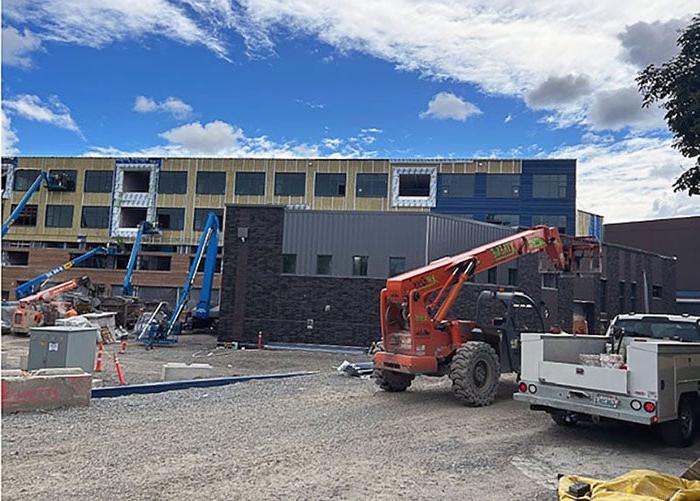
(351, 78)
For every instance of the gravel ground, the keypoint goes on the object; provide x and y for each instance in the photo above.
(314, 437)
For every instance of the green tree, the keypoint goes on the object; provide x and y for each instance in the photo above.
(676, 85)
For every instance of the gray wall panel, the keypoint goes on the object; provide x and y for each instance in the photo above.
(379, 235)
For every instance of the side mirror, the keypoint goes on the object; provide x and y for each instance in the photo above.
(546, 312)
(499, 321)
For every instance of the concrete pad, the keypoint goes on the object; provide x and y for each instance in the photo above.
(32, 392)
(3, 362)
(23, 362)
(178, 371)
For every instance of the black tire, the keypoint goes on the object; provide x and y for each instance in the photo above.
(392, 381)
(563, 418)
(681, 431)
(475, 372)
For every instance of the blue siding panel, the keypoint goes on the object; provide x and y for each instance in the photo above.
(525, 205)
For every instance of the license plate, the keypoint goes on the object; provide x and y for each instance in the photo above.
(605, 401)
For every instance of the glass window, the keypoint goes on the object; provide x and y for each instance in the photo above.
(289, 263)
(621, 297)
(660, 329)
(175, 181)
(603, 295)
(397, 265)
(549, 186)
(324, 264)
(503, 185)
(329, 185)
(154, 263)
(98, 181)
(371, 185)
(558, 222)
(359, 265)
(414, 185)
(16, 258)
(171, 218)
(136, 181)
(27, 217)
(492, 276)
(503, 219)
(512, 276)
(201, 215)
(59, 216)
(633, 296)
(66, 178)
(656, 291)
(457, 185)
(24, 179)
(290, 184)
(211, 183)
(250, 183)
(550, 281)
(94, 217)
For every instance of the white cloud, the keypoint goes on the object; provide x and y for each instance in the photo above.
(17, 47)
(447, 106)
(98, 23)
(176, 107)
(631, 179)
(619, 108)
(9, 137)
(53, 112)
(313, 106)
(558, 91)
(508, 118)
(222, 139)
(651, 43)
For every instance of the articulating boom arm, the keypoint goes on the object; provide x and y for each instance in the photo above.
(52, 292)
(54, 183)
(446, 276)
(30, 286)
(145, 228)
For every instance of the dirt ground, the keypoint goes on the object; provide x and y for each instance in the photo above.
(313, 437)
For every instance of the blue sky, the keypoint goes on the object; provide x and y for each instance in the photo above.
(391, 79)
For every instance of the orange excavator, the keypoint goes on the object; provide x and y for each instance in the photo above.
(42, 309)
(419, 338)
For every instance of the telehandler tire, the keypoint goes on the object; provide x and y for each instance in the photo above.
(475, 372)
(392, 381)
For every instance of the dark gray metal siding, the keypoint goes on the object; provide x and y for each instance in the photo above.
(419, 237)
(343, 234)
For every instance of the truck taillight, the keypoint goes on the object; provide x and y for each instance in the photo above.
(649, 407)
(522, 387)
(532, 388)
(636, 405)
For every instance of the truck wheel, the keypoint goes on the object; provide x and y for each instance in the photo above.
(563, 418)
(474, 372)
(680, 432)
(392, 381)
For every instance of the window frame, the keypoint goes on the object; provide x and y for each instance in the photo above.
(360, 264)
(181, 186)
(17, 177)
(552, 189)
(286, 261)
(372, 177)
(107, 210)
(329, 264)
(201, 183)
(206, 211)
(32, 209)
(103, 175)
(238, 178)
(395, 259)
(181, 212)
(492, 192)
(62, 208)
(279, 176)
(334, 184)
(445, 181)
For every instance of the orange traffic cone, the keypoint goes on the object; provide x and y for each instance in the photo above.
(120, 372)
(98, 365)
(122, 350)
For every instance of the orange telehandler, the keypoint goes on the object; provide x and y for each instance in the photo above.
(41, 308)
(418, 337)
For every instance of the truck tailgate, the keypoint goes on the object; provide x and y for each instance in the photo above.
(584, 376)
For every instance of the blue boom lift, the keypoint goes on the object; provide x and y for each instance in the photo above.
(145, 228)
(165, 333)
(32, 286)
(57, 182)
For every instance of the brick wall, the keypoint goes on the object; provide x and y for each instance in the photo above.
(257, 297)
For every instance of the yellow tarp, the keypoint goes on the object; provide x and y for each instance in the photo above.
(637, 485)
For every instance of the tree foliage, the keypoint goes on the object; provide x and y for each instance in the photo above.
(676, 85)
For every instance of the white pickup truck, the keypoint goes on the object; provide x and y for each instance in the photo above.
(645, 370)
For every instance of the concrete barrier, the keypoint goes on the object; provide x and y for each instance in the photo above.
(50, 390)
(175, 371)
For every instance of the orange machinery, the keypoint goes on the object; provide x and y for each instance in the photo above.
(35, 310)
(418, 337)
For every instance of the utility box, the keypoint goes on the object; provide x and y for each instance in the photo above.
(62, 346)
